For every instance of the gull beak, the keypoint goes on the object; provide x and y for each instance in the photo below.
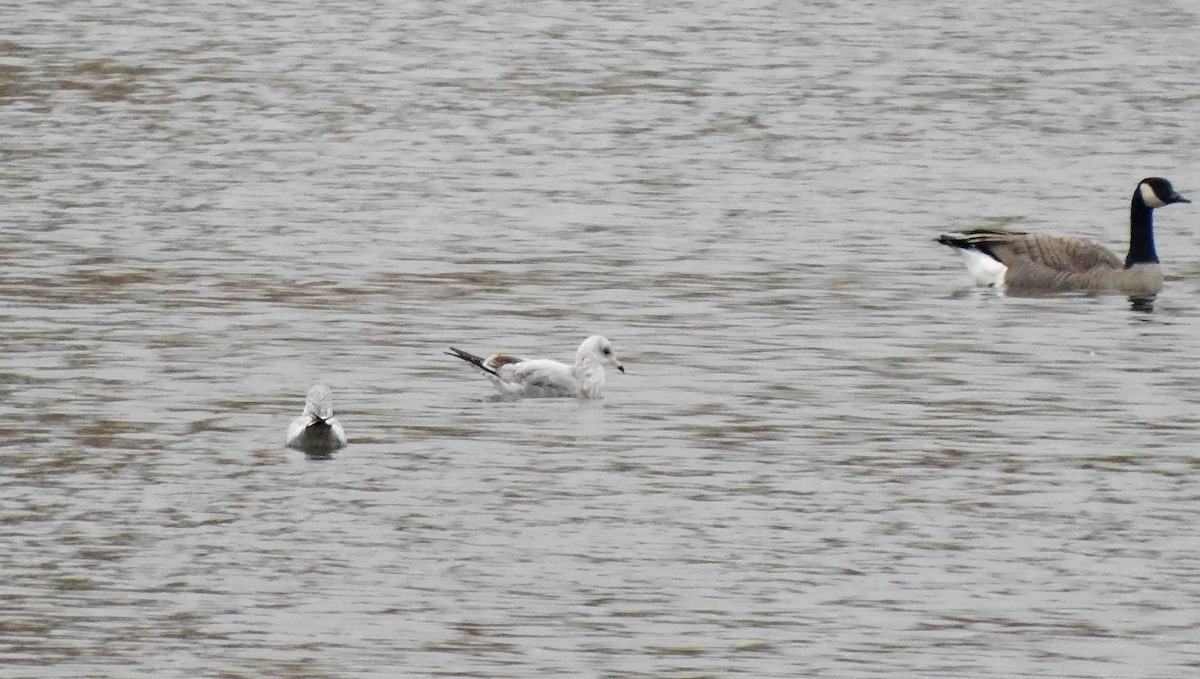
(618, 364)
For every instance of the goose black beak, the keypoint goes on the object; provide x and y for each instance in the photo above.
(1176, 198)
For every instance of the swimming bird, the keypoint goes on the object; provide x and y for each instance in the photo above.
(1037, 262)
(317, 432)
(544, 378)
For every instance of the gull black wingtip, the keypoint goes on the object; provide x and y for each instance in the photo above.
(459, 353)
(472, 359)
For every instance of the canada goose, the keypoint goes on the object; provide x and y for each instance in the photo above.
(544, 378)
(1034, 261)
(317, 432)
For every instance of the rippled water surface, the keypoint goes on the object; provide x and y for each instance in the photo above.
(829, 457)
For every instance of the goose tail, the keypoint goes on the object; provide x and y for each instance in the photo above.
(955, 240)
(977, 255)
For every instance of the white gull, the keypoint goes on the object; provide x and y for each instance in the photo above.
(317, 431)
(544, 378)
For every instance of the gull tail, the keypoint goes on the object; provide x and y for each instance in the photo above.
(472, 359)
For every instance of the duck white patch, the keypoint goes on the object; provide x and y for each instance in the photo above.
(984, 269)
(1149, 197)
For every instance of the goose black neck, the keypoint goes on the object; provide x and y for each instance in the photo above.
(1141, 234)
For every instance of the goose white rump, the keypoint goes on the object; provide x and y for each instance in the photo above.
(544, 378)
(317, 431)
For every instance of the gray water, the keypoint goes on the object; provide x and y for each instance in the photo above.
(830, 456)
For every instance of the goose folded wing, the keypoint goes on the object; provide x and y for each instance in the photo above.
(1069, 254)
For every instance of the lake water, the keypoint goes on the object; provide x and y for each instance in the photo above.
(830, 455)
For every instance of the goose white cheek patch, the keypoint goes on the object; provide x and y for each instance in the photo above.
(1149, 197)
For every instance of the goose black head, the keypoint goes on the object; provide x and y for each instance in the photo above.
(1156, 192)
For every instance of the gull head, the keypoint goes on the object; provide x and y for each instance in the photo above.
(598, 348)
(319, 402)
